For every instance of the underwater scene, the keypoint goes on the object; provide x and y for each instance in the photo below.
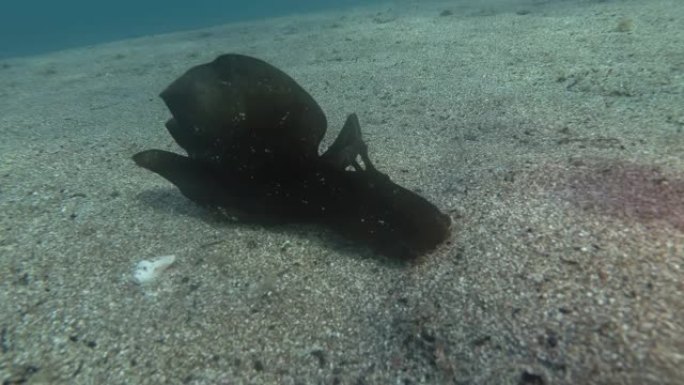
(342, 192)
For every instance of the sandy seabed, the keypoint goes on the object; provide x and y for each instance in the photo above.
(551, 132)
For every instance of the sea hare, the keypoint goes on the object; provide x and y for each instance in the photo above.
(252, 134)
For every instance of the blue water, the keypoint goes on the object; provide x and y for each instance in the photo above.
(37, 26)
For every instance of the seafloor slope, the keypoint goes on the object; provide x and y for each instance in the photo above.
(553, 134)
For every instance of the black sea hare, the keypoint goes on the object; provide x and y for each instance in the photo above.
(252, 136)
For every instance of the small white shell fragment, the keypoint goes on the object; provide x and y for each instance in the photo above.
(148, 270)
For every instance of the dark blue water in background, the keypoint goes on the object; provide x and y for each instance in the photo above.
(36, 26)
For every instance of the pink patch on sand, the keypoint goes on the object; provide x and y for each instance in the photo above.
(626, 190)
